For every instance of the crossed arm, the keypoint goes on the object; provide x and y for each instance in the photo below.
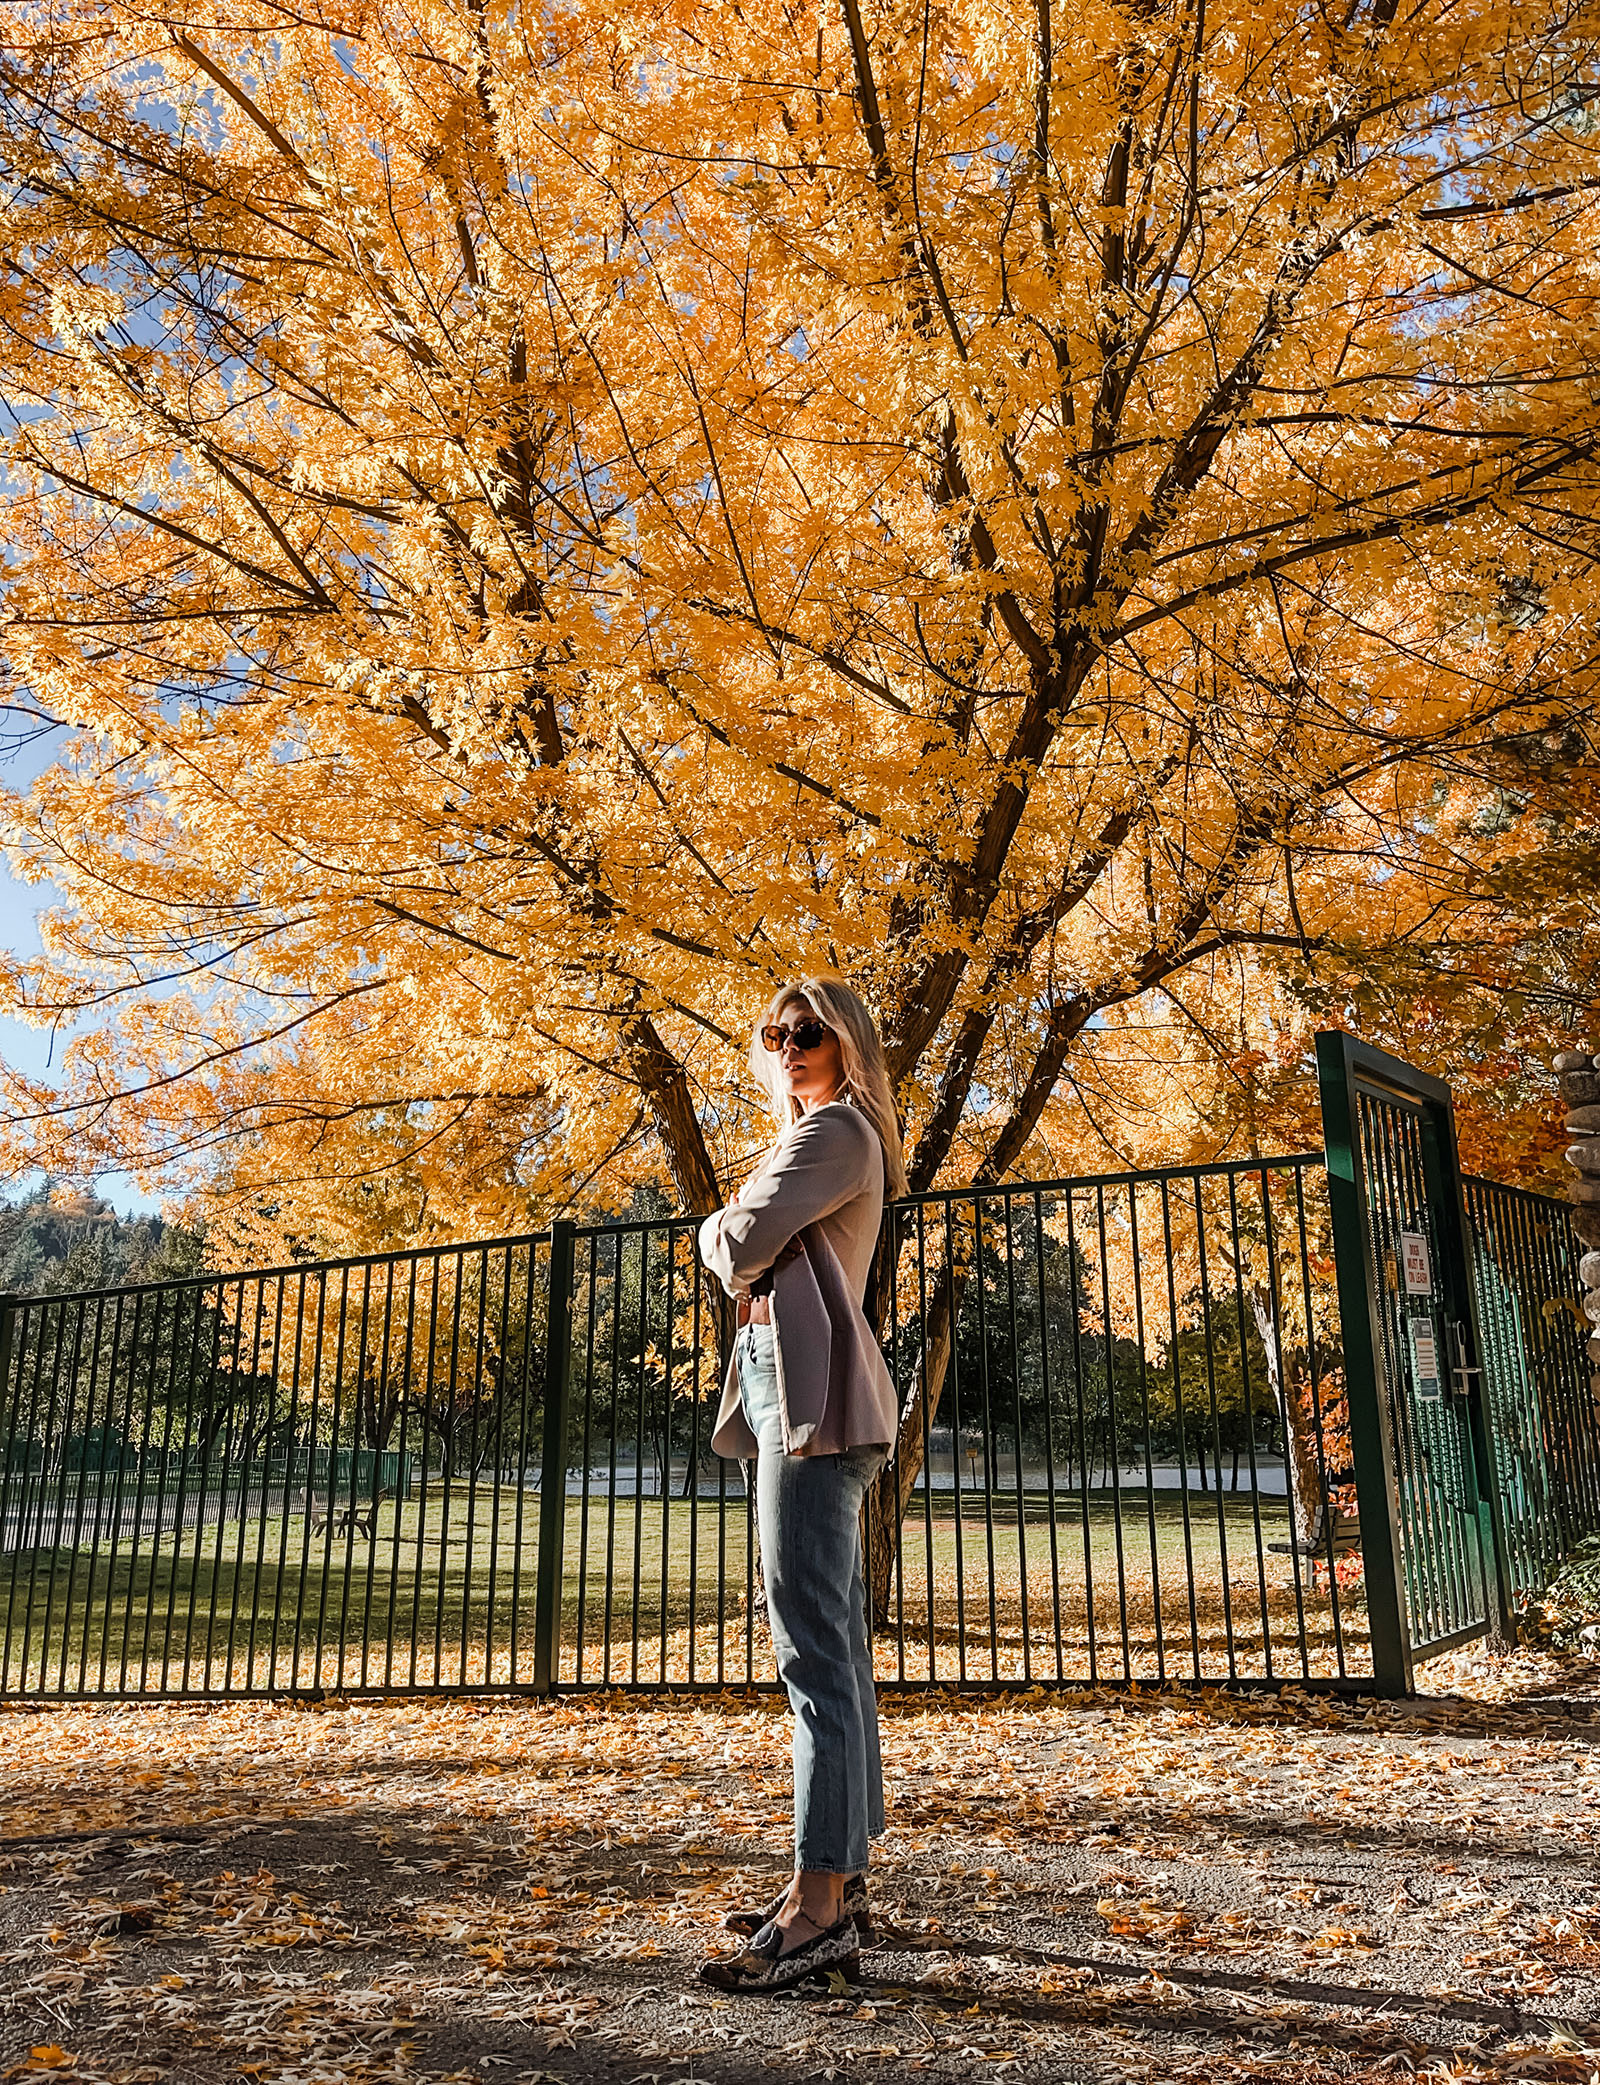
(821, 1164)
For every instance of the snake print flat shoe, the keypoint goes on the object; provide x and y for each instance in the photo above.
(763, 1968)
(747, 1923)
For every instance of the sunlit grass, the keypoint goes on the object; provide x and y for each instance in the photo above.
(658, 1590)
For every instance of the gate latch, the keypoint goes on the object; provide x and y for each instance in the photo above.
(1461, 1369)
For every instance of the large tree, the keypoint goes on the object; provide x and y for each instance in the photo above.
(538, 526)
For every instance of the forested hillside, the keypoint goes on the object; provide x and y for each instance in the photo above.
(59, 1239)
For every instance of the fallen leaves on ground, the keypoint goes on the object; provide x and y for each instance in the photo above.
(1132, 1887)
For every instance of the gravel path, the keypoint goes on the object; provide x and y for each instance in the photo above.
(1084, 1888)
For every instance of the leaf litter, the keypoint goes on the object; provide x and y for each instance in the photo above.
(1095, 1887)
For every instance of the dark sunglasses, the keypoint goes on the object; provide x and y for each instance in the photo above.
(805, 1035)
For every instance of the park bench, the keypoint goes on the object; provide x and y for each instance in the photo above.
(1338, 1537)
(357, 1518)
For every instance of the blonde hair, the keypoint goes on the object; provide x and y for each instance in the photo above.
(866, 1077)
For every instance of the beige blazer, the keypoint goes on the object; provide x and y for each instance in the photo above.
(822, 1183)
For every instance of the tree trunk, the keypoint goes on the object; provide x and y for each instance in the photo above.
(696, 1467)
(1302, 1450)
(891, 1493)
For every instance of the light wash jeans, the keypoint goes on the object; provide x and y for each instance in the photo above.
(808, 1510)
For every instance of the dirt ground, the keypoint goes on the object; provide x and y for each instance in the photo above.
(1087, 1887)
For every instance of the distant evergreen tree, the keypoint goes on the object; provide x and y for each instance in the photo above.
(57, 1240)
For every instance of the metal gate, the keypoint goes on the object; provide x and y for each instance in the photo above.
(1539, 1402)
(1411, 1349)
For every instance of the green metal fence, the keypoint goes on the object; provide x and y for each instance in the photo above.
(1254, 1422)
(489, 1466)
(320, 1475)
(1545, 1439)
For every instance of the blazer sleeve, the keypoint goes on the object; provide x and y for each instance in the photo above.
(826, 1160)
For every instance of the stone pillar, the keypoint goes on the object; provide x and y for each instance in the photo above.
(1579, 1074)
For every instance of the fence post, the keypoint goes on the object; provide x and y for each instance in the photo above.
(553, 1463)
(10, 1303)
(9, 1299)
(1376, 1491)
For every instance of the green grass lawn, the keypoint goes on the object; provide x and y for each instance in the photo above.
(661, 1590)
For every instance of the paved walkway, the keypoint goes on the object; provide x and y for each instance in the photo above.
(1085, 1888)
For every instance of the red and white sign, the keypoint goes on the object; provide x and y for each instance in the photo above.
(1414, 1261)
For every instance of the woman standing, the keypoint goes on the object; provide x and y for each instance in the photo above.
(809, 1396)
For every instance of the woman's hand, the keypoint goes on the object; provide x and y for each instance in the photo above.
(792, 1251)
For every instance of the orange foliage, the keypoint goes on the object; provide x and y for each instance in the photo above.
(1081, 520)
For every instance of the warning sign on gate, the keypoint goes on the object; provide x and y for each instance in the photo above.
(1425, 1361)
(1414, 1261)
